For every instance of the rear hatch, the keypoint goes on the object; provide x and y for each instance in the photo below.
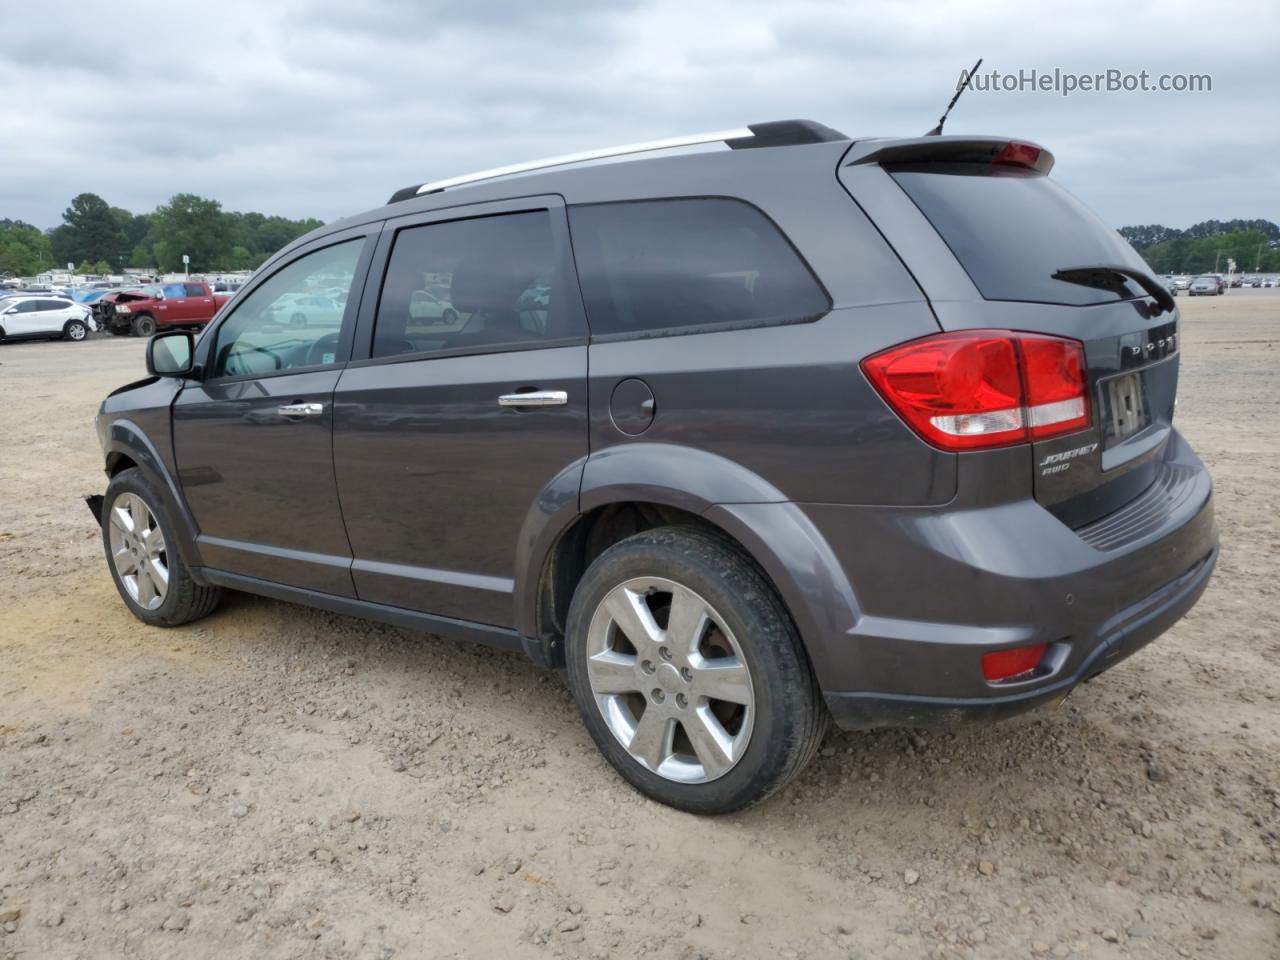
(1041, 261)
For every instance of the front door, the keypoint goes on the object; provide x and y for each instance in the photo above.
(455, 420)
(253, 438)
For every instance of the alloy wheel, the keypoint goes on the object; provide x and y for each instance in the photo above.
(670, 680)
(138, 551)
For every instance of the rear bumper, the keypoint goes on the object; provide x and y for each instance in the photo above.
(1126, 634)
(936, 588)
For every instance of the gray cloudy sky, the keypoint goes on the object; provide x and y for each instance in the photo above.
(323, 107)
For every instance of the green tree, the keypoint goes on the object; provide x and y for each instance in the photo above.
(90, 232)
(24, 250)
(194, 226)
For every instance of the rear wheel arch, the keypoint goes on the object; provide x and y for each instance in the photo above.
(592, 533)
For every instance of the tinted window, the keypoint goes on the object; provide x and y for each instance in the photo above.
(270, 331)
(471, 283)
(1013, 233)
(43, 305)
(194, 290)
(670, 264)
(175, 291)
(26, 306)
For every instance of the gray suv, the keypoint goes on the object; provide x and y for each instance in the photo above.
(795, 428)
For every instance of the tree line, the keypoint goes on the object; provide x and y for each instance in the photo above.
(1206, 247)
(99, 238)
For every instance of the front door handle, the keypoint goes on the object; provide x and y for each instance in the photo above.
(301, 410)
(535, 398)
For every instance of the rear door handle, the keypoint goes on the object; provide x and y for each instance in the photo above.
(301, 410)
(534, 398)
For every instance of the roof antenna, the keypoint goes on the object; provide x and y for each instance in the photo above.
(937, 131)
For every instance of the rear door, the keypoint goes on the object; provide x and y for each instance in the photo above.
(447, 433)
(200, 299)
(994, 246)
(177, 307)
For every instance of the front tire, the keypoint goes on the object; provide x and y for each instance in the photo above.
(148, 570)
(689, 674)
(144, 325)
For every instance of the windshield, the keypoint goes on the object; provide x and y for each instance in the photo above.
(1012, 234)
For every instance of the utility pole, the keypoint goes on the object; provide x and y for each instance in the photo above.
(1257, 263)
(1215, 261)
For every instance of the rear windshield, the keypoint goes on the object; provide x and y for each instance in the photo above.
(1013, 233)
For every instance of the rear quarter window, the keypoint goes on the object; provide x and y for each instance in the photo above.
(1013, 233)
(671, 266)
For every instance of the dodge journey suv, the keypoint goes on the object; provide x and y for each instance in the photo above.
(788, 428)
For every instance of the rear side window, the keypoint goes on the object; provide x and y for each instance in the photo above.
(194, 290)
(1013, 233)
(472, 285)
(655, 266)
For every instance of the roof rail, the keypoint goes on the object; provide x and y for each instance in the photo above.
(775, 133)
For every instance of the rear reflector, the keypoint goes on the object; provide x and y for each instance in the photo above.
(984, 388)
(1010, 663)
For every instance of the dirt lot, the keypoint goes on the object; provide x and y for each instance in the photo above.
(279, 782)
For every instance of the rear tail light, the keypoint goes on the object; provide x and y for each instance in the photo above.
(984, 388)
(1015, 154)
(1007, 664)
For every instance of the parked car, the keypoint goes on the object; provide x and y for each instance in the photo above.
(769, 456)
(1171, 286)
(1204, 287)
(46, 318)
(90, 296)
(142, 311)
(427, 305)
(305, 309)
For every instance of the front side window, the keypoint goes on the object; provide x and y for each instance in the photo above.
(273, 329)
(175, 291)
(471, 284)
(665, 265)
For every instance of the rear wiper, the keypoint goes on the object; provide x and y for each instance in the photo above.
(1107, 276)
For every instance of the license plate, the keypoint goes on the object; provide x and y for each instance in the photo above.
(1126, 408)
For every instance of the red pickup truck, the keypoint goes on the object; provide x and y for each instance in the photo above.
(144, 310)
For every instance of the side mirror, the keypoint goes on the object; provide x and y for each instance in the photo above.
(171, 354)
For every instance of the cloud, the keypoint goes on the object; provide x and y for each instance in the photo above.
(322, 108)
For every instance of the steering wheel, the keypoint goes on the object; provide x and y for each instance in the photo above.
(326, 344)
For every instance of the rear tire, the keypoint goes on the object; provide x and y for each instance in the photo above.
(144, 325)
(138, 536)
(692, 753)
(449, 317)
(75, 330)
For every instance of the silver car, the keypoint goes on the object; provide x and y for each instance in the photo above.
(1203, 287)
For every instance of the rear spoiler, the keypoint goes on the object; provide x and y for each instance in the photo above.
(986, 151)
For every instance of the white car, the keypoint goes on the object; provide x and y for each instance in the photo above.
(429, 305)
(45, 317)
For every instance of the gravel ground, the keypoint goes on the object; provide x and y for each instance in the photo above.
(281, 782)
